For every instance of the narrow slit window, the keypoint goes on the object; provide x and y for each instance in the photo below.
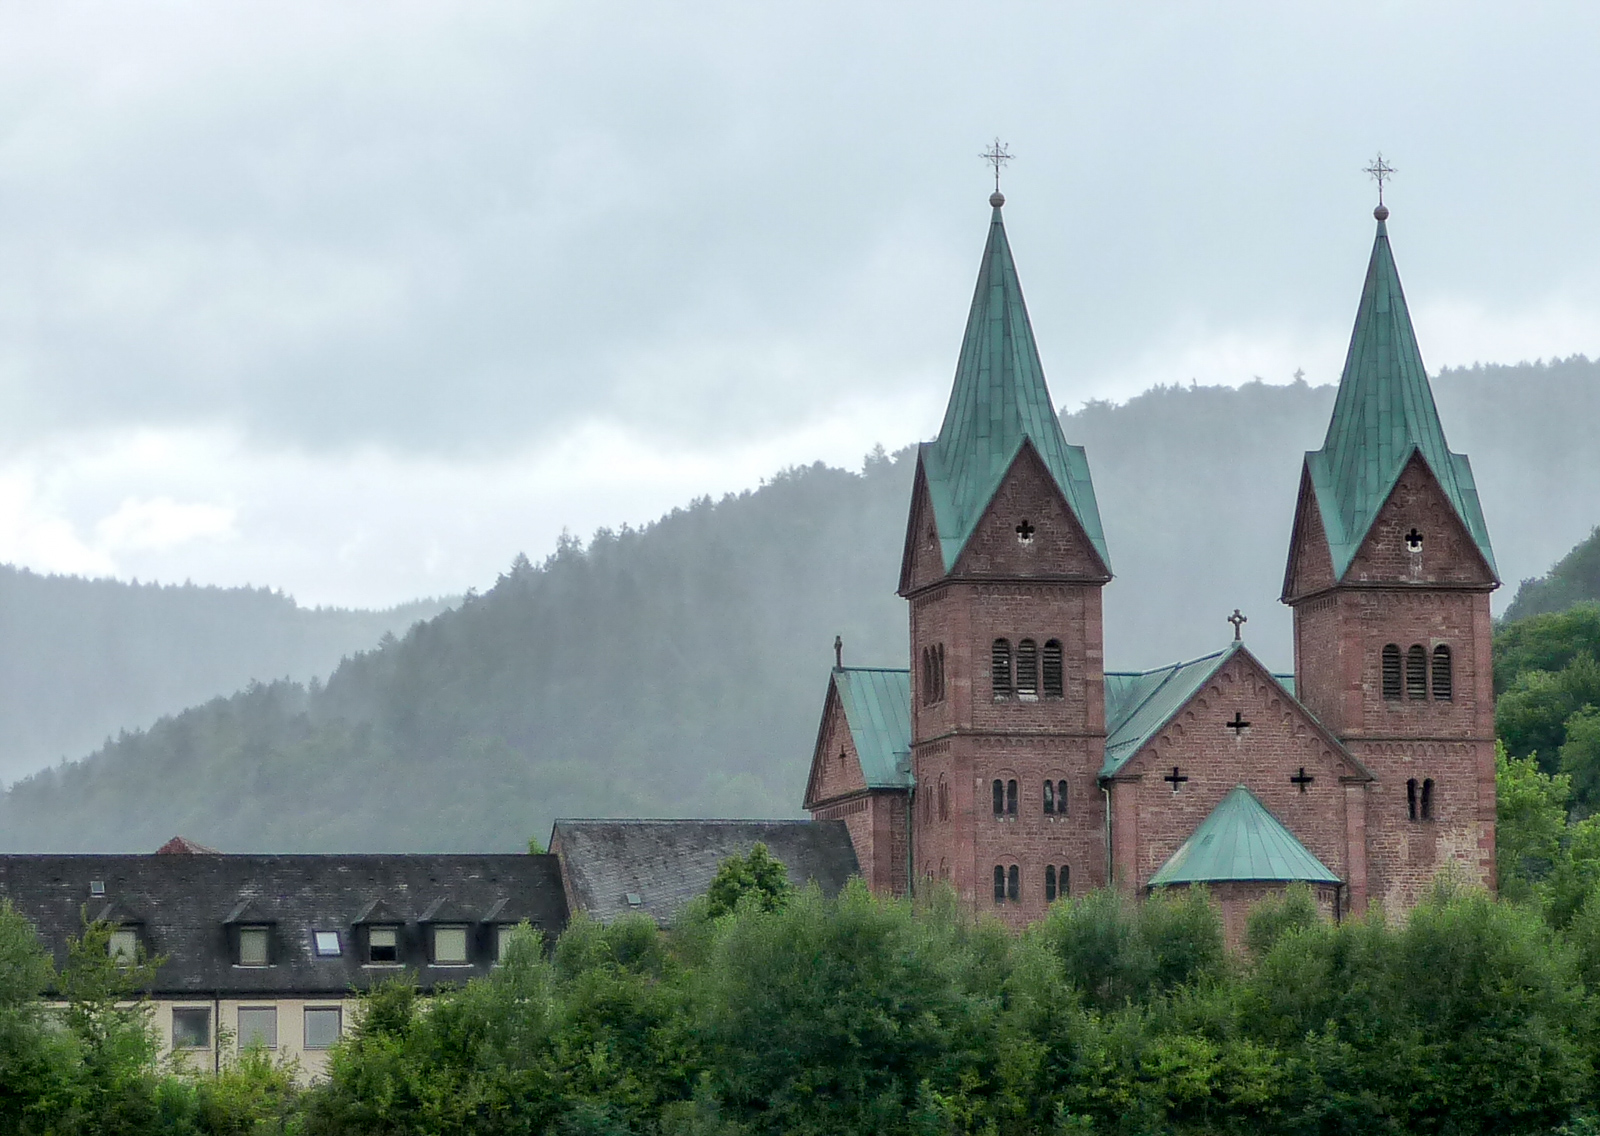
(1061, 798)
(1049, 883)
(1443, 684)
(1001, 666)
(1411, 799)
(1391, 673)
(1028, 669)
(999, 797)
(1011, 798)
(1053, 677)
(1064, 883)
(938, 664)
(1417, 673)
(1049, 798)
(944, 798)
(999, 884)
(1427, 799)
(1014, 883)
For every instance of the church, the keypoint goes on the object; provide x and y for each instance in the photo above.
(1009, 763)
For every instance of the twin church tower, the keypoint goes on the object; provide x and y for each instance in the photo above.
(1008, 762)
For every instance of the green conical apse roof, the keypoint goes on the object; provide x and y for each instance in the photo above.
(999, 402)
(1241, 840)
(1383, 414)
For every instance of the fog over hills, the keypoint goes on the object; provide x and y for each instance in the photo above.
(679, 669)
(81, 660)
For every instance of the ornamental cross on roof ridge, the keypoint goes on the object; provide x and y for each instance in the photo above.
(1380, 171)
(996, 155)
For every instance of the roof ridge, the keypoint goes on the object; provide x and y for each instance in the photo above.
(1174, 666)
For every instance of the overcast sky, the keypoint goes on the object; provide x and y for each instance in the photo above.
(358, 300)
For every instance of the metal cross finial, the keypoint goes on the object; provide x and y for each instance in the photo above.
(1238, 622)
(1380, 171)
(996, 155)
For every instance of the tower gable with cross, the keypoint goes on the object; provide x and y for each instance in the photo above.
(1389, 573)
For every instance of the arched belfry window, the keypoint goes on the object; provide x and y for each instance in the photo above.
(1427, 799)
(999, 788)
(1011, 798)
(1049, 883)
(1001, 669)
(999, 883)
(1391, 673)
(1443, 684)
(1061, 798)
(1417, 673)
(1411, 799)
(1053, 679)
(1028, 669)
(1014, 883)
(944, 798)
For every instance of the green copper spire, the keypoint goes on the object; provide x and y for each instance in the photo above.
(999, 403)
(1383, 414)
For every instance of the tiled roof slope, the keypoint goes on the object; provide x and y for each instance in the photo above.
(1139, 703)
(183, 902)
(999, 401)
(1384, 412)
(666, 863)
(877, 707)
(1241, 840)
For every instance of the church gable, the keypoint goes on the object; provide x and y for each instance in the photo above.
(835, 764)
(922, 562)
(1417, 537)
(1028, 530)
(1310, 567)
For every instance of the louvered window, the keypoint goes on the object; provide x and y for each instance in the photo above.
(1053, 679)
(1391, 673)
(1001, 666)
(1417, 673)
(1028, 669)
(1443, 686)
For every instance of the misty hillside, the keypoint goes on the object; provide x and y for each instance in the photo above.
(678, 670)
(81, 660)
(1574, 579)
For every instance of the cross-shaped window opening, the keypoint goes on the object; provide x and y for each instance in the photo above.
(1025, 532)
(1302, 779)
(1175, 779)
(1238, 725)
(1414, 540)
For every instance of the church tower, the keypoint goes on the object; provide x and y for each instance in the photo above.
(1389, 574)
(1003, 565)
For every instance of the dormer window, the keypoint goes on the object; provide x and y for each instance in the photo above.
(253, 946)
(383, 945)
(123, 945)
(450, 945)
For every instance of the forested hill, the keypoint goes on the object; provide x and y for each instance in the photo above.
(81, 660)
(679, 670)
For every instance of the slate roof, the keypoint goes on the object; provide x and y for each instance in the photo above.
(666, 863)
(1140, 703)
(182, 904)
(999, 403)
(1384, 412)
(1241, 840)
(877, 707)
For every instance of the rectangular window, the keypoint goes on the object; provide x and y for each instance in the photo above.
(252, 946)
(449, 946)
(383, 944)
(123, 945)
(258, 1027)
(502, 939)
(191, 1028)
(322, 1026)
(325, 943)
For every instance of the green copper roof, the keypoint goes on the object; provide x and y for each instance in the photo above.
(1241, 840)
(877, 708)
(1383, 414)
(999, 401)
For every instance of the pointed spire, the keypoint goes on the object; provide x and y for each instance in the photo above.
(999, 400)
(1384, 413)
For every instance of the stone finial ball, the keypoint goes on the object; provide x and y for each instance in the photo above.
(1381, 212)
(997, 199)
